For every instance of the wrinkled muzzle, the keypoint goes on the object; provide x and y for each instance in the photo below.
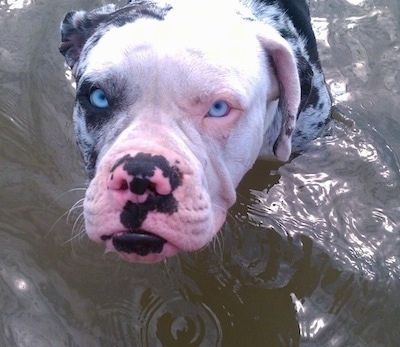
(150, 204)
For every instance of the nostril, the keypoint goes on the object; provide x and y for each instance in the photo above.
(137, 178)
(117, 182)
(123, 185)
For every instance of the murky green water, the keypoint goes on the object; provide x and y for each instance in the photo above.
(310, 255)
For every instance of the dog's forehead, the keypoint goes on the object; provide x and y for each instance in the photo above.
(189, 33)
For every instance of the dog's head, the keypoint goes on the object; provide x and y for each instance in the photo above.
(172, 109)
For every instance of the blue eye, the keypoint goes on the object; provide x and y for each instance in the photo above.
(219, 108)
(98, 99)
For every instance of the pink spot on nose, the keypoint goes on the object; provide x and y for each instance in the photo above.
(126, 187)
(119, 183)
(161, 183)
(119, 180)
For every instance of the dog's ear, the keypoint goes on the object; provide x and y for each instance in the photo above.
(76, 28)
(284, 64)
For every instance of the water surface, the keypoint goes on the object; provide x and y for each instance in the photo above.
(310, 255)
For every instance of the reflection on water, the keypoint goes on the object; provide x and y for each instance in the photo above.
(349, 200)
(347, 206)
(309, 256)
(178, 319)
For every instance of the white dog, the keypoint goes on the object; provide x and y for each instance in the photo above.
(175, 102)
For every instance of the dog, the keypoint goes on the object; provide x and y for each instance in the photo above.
(175, 101)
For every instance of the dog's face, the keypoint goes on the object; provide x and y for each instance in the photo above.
(171, 111)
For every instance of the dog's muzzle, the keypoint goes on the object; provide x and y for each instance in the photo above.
(139, 185)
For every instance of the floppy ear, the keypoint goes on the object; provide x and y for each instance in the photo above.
(284, 63)
(76, 29)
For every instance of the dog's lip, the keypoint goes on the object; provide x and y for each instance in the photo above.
(139, 235)
(168, 249)
(107, 237)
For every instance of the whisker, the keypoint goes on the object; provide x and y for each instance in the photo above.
(241, 195)
(76, 233)
(76, 206)
(55, 223)
(118, 269)
(218, 245)
(68, 213)
(79, 227)
(65, 193)
(74, 212)
(228, 214)
(218, 240)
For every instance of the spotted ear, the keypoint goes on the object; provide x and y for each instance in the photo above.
(76, 28)
(284, 64)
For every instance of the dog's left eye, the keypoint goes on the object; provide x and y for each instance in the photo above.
(219, 108)
(98, 98)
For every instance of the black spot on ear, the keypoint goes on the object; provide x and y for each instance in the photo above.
(289, 131)
(76, 28)
(299, 13)
(71, 40)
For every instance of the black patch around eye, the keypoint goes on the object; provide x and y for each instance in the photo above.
(96, 117)
(83, 95)
(114, 87)
(85, 143)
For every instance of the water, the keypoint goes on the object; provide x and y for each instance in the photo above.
(309, 256)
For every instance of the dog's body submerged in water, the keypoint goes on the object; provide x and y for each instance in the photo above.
(175, 102)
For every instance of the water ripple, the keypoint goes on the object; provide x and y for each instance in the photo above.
(344, 195)
(178, 321)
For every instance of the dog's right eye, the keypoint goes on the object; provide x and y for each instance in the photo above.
(98, 99)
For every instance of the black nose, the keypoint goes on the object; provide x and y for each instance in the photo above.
(139, 242)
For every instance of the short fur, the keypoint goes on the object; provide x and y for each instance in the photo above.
(162, 67)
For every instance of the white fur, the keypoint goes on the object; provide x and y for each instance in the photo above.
(181, 66)
(163, 68)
